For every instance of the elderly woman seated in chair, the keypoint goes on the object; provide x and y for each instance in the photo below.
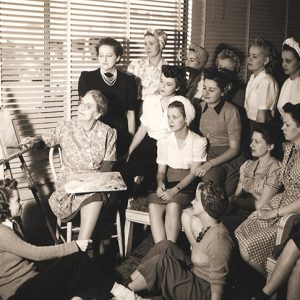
(19, 276)
(167, 271)
(87, 144)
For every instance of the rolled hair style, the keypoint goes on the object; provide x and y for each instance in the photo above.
(178, 74)
(294, 111)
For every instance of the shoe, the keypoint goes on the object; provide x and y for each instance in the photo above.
(123, 293)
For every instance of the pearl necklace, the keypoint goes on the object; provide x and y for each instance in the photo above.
(109, 80)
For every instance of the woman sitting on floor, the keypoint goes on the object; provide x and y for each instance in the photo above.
(87, 144)
(256, 235)
(72, 275)
(166, 270)
(178, 156)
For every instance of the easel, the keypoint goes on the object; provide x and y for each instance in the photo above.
(10, 149)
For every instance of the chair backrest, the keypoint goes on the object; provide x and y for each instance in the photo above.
(51, 160)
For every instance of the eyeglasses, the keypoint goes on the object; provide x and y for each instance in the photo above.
(85, 106)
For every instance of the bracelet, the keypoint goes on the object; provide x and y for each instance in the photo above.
(277, 213)
(210, 162)
(178, 187)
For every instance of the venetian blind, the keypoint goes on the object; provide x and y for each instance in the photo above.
(45, 44)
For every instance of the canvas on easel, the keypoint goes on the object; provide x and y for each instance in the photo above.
(9, 143)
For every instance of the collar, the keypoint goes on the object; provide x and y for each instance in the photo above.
(8, 223)
(217, 108)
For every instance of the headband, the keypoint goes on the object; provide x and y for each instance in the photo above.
(188, 108)
(293, 44)
(159, 34)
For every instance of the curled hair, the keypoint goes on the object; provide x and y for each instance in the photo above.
(117, 46)
(232, 56)
(286, 47)
(222, 77)
(100, 100)
(213, 199)
(6, 186)
(294, 111)
(178, 74)
(268, 133)
(269, 52)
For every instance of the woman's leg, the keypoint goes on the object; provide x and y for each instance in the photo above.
(173, 221)
(88, 218)
(253, 263)
(156, 213)
(293, 291)
(139, 282)
(283, 268)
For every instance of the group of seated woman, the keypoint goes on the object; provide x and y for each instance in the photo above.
(191, 125)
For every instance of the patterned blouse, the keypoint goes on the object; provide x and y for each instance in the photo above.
(148, 74)
(254, 182)
(80, 151)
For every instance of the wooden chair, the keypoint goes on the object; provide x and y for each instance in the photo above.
(285, 227)
(69, 228)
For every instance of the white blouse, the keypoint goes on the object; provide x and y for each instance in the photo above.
(290, 92)
(261, 94)
(193, 150)
(154, 118)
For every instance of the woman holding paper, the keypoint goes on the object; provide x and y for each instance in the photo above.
(87, 144)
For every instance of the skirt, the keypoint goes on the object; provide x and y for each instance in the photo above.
(184, 197)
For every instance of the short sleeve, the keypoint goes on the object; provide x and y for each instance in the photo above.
(242, 171)
(145, 115)
(272, 179)
(267, 93)
(162, 152)
(52, 137)
(110, 151)
(199, 149)
(234, 126)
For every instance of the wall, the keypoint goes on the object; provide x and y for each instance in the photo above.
(237, 22)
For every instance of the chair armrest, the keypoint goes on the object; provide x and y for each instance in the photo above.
(285, 227)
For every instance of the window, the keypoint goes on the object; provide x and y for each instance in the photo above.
(45, 44)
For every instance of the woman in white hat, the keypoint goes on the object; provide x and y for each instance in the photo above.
(290, 91)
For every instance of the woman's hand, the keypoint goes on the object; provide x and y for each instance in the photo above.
(201, 171)
(83, 244)
(160, 190)
(264, 214)
(28, 142)
(169, 194)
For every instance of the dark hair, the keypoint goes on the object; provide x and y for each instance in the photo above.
(268, 133)
(286, 47)
(222, 77)
(294, 111)
(179, 105)
(213, 199)
(178, 74)
(118, 48)
(100, 100)
(5, 186)
(269, 51)
(232, 56)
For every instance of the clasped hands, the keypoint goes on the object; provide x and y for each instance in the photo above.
(166, 194)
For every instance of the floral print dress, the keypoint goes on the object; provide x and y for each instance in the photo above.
(256, 237)
(81, 151)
